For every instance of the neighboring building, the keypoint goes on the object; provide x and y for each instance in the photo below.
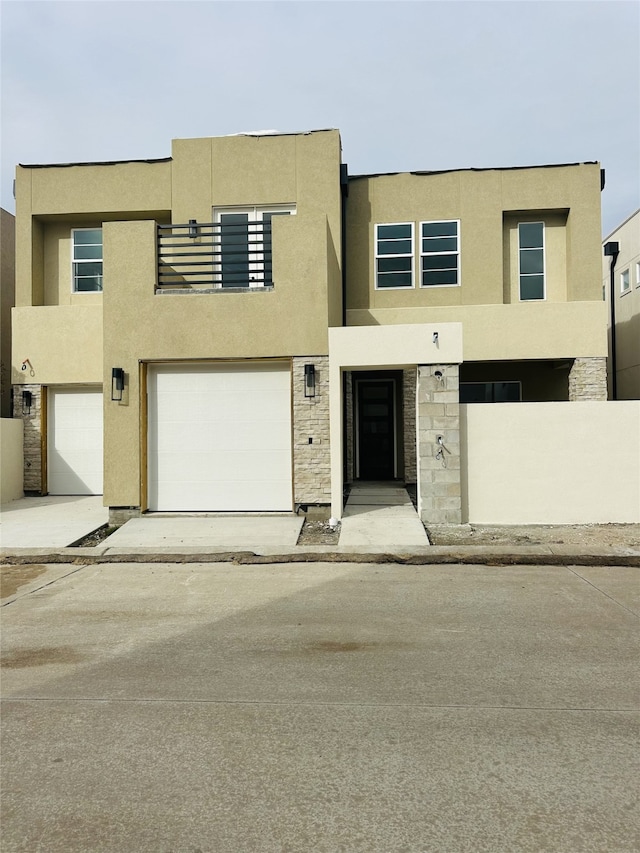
(7, 301)
(626, 309)
(271, 327)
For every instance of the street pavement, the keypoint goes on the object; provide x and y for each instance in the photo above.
(220, 708)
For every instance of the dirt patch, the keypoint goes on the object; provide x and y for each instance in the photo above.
(24, 658)
(318, 533)
(13, 577)
(578, 535)
(95, 538)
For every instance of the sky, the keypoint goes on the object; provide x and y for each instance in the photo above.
(410, 85)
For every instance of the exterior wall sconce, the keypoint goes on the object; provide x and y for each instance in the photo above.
(435, 338)
(117, 383)
(309, 380)
(438, 375)
(193, 228)
(27, 400)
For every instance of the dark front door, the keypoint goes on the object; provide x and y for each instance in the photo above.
(376, 429)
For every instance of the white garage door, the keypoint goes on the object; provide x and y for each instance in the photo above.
(74, 430)
(219, 437)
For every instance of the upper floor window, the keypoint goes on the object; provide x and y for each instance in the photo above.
(87, 259)
(243, 245)
(439, 253)
(394, 255)
(531, 260)
(625, 283)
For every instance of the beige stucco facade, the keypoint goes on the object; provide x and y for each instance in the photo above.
(626, 307)
(319, 309)
(7, 301)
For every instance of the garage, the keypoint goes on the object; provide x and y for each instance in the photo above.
(219, 437)
(74, 438)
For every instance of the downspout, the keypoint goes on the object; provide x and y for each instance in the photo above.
(612, 250)
(344, 192)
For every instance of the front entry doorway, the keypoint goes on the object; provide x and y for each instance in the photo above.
(376, 401)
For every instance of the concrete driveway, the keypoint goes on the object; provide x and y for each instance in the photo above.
(54, 521)
(319, 707)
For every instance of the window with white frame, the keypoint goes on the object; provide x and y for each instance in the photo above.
(243, 243)
(394, 255)
(625, 283)
(637, 273)
(440, 253)
(87, 259)
(531, 270)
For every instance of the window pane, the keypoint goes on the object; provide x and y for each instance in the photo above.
(394, 247)
(436, 277)
(91, 235)
(440, 244)
(394, 279)
(83, 252)
(440, 262)
(506, 392)
(531, 261)
(234, 239)
(397, 232)
(87, 269)
(475, 392)
(394, 264)
(85, 284)
(530, 234)
(624, 281)
(531, 287)
(439, 229)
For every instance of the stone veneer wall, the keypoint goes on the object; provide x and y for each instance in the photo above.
(311, 462)
(349, 426)
(588, 379)
(32, 436)
(409, 380)
(440, 498)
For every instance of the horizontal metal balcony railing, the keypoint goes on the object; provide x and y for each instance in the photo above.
(213, 255)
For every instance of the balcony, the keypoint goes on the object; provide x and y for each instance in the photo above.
(232, 255)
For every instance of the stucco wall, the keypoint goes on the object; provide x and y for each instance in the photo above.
(540, 330)
(10, 460)
(627, 306)
(488, 204)
(7, 301)
(551, 463)
(63, 344)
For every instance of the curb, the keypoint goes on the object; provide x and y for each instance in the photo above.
(471, 555)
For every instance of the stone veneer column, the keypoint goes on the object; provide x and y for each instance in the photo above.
(588, 379)
(32, 436)
(349, 441)
(311, 462)
(438, 414)
(409, 380)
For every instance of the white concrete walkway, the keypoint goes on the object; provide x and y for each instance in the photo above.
(215, 533)
(54, 521)
(380, 517)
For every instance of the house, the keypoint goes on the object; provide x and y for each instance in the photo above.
(621, 291)
(244, 326)
(7, 301)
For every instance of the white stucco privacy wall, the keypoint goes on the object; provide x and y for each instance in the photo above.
(551, 463)
(10, 459)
